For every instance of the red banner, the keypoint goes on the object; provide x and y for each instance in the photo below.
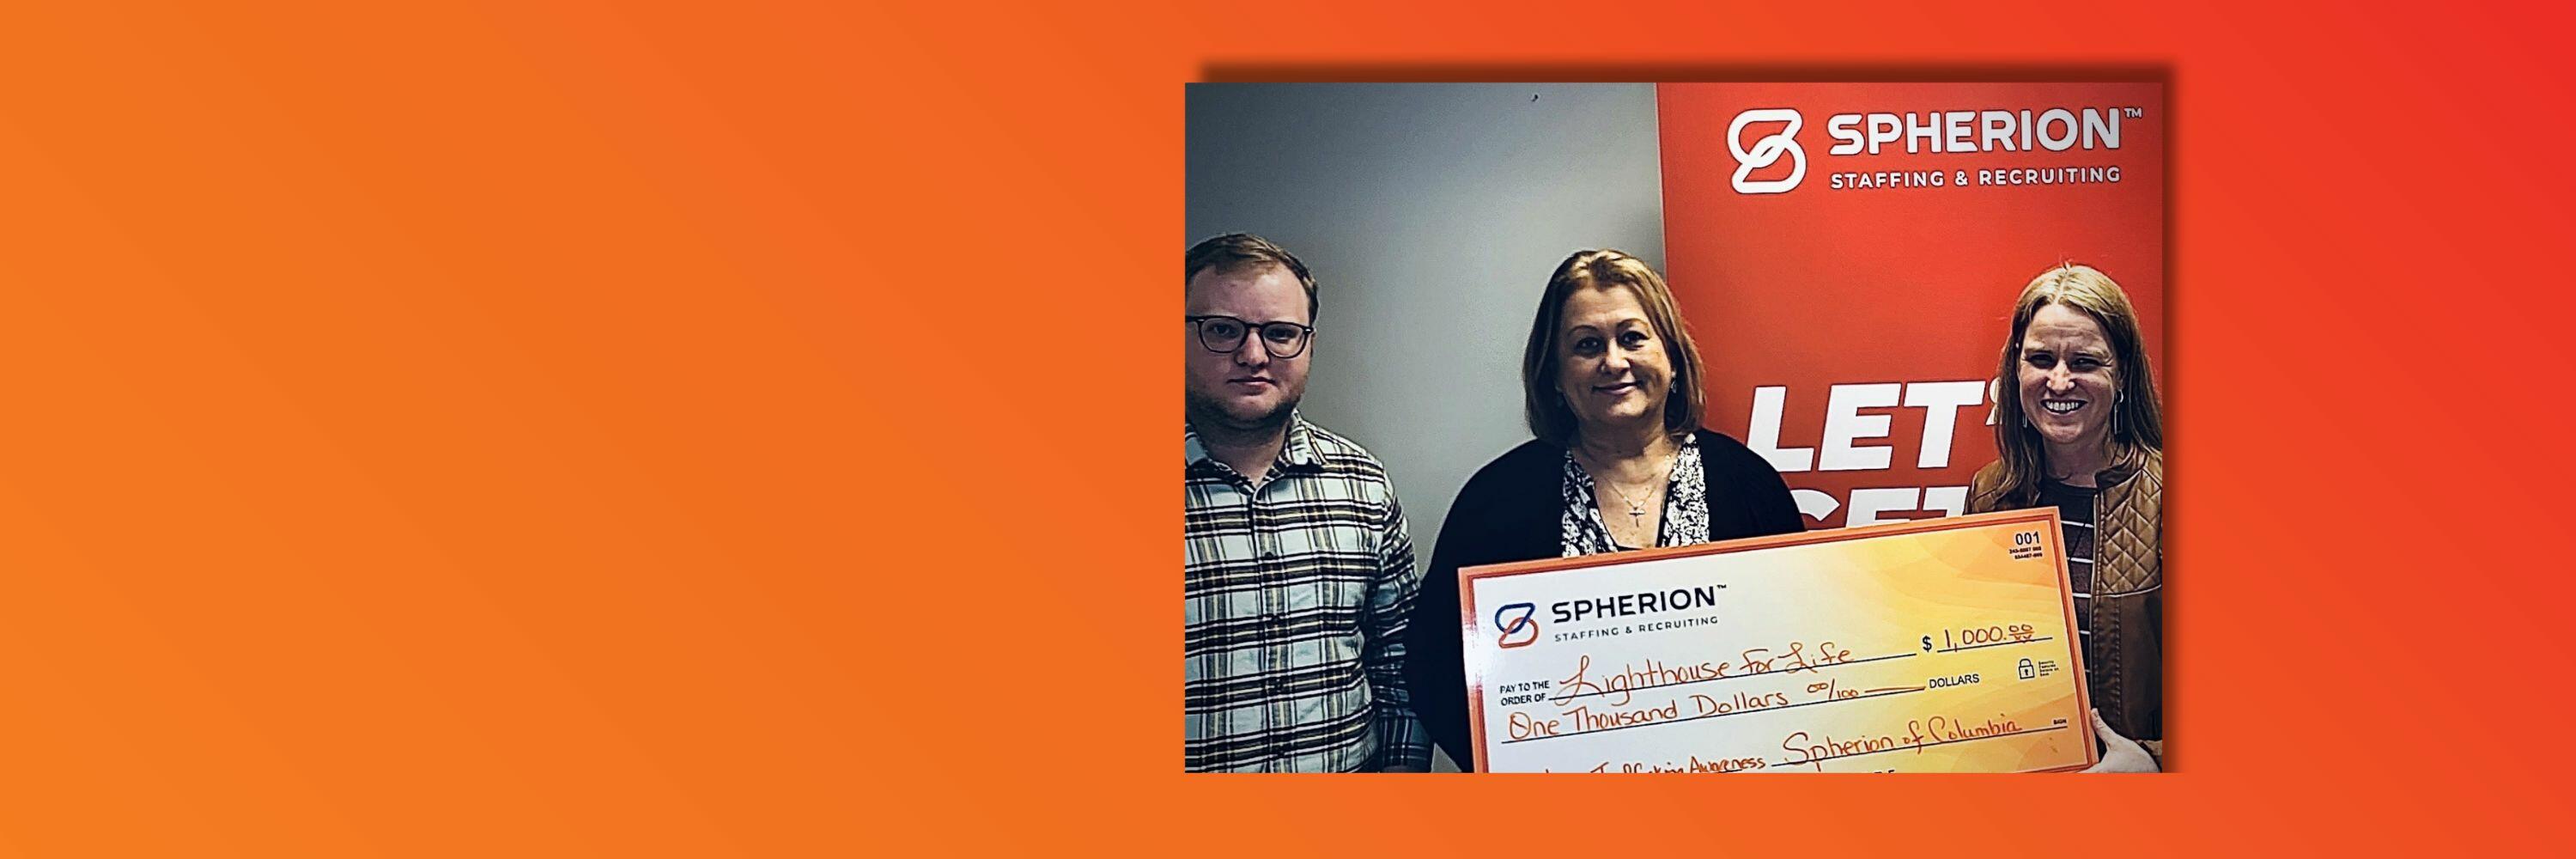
(1848, 255)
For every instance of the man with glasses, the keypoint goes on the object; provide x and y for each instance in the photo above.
(1298, 570)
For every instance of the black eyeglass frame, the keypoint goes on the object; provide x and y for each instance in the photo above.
(1305, 335)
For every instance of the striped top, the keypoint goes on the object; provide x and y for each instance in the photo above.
(2075, 513)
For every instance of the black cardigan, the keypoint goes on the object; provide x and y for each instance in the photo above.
(1510, 511)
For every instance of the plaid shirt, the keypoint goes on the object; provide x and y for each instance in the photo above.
(1294, 598)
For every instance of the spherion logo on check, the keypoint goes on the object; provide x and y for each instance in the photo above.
(1518, 624)
(1767, 151)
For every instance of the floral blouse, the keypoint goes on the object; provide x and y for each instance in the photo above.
(1685, 520)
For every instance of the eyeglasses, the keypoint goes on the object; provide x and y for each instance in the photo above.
(1224, 334)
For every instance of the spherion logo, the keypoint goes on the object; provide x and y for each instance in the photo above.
(1767, 151)
(1518, 624)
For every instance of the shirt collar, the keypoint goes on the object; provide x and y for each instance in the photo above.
(1300, 450)
(2119, 472)
(1192, 452)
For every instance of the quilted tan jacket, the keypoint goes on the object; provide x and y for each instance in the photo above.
(2127, 623)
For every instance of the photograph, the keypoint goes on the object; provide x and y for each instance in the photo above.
(1674, 427)
(726, 430)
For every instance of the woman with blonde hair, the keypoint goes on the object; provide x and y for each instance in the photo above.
(1612, 388)
(2079, 428)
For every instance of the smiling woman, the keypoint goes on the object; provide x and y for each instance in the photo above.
(2082, 432)
(1611, 385)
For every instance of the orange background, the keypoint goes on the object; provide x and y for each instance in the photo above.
(587, 429)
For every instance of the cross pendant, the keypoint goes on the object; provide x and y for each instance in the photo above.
(1636, 516)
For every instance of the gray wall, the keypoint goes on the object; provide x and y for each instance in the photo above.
(1431, 215)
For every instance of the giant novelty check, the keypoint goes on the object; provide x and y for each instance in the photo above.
(1942, 645)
